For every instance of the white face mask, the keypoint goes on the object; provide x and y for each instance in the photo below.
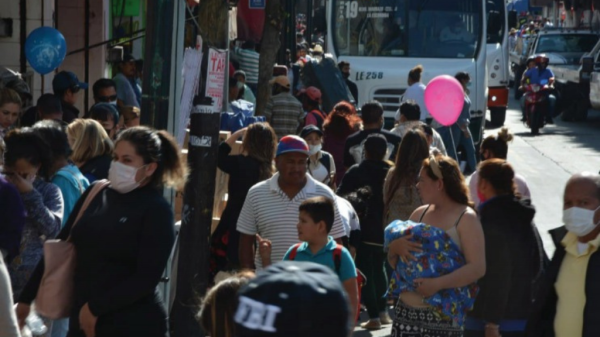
(122, 177)
(313, 149)
(113, 103)
(579, 221)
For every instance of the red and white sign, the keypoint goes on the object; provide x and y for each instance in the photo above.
(215, 82)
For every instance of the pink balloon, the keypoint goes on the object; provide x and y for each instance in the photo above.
(444, 98)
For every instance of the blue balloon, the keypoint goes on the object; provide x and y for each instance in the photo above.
(45, 49)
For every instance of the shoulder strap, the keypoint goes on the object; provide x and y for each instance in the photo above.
(98, 186)
(424, 212)
(326, 161)
(337, 258)
(294, 251)
(79, 185)
(460, 217)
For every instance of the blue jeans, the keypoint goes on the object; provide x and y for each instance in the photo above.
(459, 139)
(60, 327)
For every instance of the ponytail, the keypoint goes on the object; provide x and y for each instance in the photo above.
(158, 147)
(174, 169)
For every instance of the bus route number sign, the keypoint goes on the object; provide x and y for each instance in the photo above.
(369, 75)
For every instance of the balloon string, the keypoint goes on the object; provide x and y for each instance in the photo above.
(453, 144)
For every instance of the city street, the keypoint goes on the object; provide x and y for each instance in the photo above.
(546, 161)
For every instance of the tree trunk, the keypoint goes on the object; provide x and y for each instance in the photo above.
(269, 47)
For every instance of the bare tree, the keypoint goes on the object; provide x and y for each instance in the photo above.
(269, 47)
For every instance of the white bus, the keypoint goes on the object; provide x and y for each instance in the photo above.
(383, 39)
(497, 60)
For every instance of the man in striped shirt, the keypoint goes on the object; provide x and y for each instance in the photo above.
(283, 111)
(248, 59)
(271, 207)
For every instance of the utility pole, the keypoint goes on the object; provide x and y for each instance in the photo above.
(269, 47)
(194, 236)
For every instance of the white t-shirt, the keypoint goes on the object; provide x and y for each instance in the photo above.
(416, 92)
(268, 211)
(522, 187)
(348, 214)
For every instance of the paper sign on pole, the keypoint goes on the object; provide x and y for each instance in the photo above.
(215, 81)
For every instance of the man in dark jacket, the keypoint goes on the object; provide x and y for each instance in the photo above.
(569, 299)
(370, 257)
(372, 117)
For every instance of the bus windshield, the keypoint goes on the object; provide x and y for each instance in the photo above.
(407, 28)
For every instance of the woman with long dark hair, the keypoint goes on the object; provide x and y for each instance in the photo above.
(253, 165)
(447, 207)
(340, 123)
(514, 255)
(123, 241)
(400, 192)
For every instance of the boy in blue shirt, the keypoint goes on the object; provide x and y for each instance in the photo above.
(314, 224)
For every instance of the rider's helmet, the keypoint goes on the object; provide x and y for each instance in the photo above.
(530, 59)
(541, 59)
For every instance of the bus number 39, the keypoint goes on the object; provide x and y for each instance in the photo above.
(369, 75)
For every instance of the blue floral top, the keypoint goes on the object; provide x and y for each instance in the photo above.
(440, 256)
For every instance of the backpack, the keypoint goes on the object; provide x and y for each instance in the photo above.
(337, 256)
(361, 279)
(319, 116)
(325, 160)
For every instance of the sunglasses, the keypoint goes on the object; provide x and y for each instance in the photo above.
(107, 99)
(75, 89)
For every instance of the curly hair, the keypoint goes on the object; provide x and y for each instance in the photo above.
(342, 121)
(454, 182)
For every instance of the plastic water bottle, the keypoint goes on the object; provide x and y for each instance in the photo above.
(35, 324)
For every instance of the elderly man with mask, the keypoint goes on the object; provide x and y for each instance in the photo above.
(568, 302)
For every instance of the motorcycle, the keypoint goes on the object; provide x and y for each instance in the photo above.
(536, 106)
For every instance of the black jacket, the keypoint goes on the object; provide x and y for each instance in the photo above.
(513, 259)
(368, 173)
(541, 321)
(96, 168)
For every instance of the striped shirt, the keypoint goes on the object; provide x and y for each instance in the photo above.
(248, 60)
(284, 112)
(268, 211)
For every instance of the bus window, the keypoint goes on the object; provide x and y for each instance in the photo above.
(407, 28)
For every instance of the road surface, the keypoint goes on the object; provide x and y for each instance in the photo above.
(546, 161)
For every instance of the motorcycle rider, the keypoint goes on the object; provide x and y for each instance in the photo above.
(541, 74)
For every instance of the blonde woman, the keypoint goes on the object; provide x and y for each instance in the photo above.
(92, 148)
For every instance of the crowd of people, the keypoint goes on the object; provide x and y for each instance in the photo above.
(328, 215)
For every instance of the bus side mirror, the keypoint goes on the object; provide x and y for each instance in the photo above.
(512, 19)
(587, 64)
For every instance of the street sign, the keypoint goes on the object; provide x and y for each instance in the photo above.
(215, 81)
(257, 4)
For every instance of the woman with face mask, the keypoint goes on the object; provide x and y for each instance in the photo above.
(123, 241)
(26, 166)
(321, 165)
(514, 256)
